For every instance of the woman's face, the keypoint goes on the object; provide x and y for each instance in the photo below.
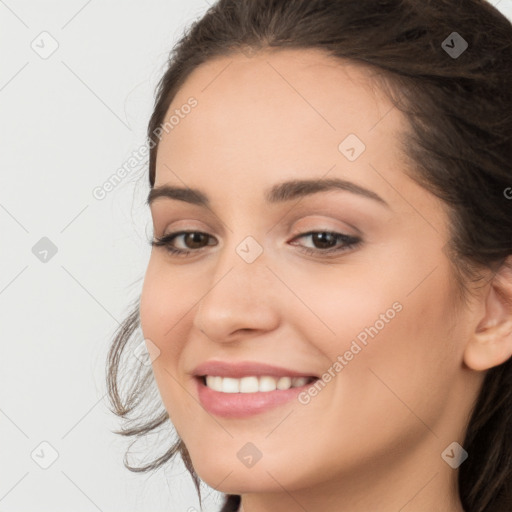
(379, 316)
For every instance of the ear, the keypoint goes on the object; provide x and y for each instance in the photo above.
(491, 342)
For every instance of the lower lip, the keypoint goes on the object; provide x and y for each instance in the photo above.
(241, 405)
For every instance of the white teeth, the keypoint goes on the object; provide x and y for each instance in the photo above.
(284, 383)
(217, 382)
(230, 385)
(212, 382)
(248, 384)
(267, 384)
(297, 382)
(253, 384)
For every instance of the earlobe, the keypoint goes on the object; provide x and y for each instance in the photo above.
(489, 348)
(491, 342)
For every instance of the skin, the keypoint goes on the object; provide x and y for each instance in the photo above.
(372, 439)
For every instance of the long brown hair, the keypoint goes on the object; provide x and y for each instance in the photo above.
(459, 108)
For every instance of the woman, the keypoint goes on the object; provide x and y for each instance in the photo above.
(328, 302)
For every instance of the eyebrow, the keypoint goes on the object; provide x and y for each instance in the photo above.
(278, 193)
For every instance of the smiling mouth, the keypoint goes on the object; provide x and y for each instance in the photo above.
(254, 384)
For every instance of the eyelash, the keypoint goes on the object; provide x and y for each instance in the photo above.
(350, 242)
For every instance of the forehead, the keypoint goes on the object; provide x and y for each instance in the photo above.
(275, 68)
(333, 93)
(283, 113)
(282, 72)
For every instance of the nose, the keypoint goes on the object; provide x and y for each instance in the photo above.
(240, 297)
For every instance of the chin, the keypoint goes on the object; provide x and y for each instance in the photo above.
(261, 477)
(240, 482)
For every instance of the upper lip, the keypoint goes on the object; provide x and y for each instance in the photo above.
(245, 369)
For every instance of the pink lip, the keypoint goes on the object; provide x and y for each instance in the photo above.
(245, 369)
(239, 405)
(242, 405)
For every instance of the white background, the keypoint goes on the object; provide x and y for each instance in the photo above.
(67, 123)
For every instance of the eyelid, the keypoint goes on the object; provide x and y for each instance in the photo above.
(322, 225)
(172, 226)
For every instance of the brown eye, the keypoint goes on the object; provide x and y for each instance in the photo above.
(328, 243)
(324, 240)
(193, 240)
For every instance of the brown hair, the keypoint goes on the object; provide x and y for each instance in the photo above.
(459, 108)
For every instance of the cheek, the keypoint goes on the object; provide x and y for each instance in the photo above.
(165, 301)
(395, 372)
(164, 304)
(405, 353)
(395, 338)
